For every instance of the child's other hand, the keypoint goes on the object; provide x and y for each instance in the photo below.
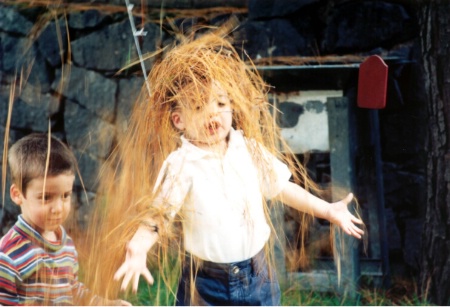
(134, 266)
(338, 214)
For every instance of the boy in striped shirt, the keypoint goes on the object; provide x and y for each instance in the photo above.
(38, 260)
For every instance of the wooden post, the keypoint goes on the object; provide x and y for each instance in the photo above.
(343, 177)
(370, 177)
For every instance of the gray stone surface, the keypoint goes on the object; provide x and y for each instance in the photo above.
(53, 42)
(87, 19)
(89, 167)
(89, 88)
(11, 21)
(11, 53)
(366, 25)
(32, 117)
(129, 90)
(87, 132)
(112, 47)
(275, 8)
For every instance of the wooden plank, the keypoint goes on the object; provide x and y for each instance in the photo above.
(318, 281)
(187, 4)
(343, 178)
(324, 276)
(376, 201)
(371, 188)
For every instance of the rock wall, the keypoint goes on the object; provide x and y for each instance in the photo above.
(60, 66)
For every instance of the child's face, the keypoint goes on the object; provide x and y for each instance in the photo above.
(206, 125)
(45, 208)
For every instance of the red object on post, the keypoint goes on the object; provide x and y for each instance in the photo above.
(372, 83)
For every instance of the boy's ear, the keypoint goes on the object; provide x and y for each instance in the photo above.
(16, 194)
(177, 120)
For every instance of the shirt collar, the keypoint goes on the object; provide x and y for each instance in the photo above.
(193, 152)
(31, 234)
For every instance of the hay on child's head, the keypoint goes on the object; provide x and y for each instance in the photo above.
(189, 69)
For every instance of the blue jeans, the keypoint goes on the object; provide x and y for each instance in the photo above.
(249, 282)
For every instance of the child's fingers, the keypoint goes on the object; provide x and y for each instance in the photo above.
(359, 230)
(351, 232)
(356, 235)
(120, 272)
(348, 198)
(356, 220)
(355, 231)
(148, 276)
(126, 281)
(135, 282)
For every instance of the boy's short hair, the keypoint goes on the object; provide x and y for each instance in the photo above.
(28, 158)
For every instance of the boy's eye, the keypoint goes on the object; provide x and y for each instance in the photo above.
(46, 197)
(49, 197)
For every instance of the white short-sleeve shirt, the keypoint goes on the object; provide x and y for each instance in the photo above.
(221, 198)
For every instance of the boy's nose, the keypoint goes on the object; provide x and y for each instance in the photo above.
(57, 206)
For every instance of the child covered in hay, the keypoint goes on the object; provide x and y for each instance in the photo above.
(204, 149)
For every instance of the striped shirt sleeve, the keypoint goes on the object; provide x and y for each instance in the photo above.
(8, 281)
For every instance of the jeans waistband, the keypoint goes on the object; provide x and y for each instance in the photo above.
(256, 262)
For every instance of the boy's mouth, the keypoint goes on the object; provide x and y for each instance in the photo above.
(55, 220)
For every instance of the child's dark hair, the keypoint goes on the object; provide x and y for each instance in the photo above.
(37, 155)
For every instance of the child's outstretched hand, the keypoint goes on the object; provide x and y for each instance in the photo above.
(339, 214)
(135, 263)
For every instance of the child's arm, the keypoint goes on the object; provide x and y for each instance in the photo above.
(135, 263)
(337, 213)
(8, 279)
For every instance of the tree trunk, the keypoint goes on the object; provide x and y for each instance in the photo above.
(435, 42)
